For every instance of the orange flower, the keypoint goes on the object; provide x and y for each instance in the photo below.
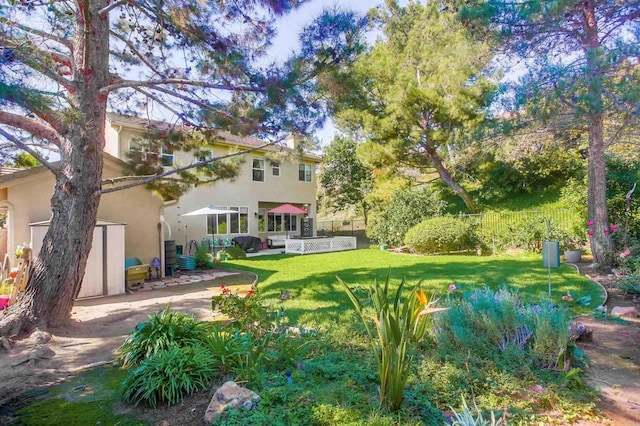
(422, 297)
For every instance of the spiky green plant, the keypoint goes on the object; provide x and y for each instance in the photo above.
(163, 331)
(467, 418)
(398, 326)
(169, 375)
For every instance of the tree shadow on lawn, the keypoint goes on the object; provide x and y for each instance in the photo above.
(319, 296)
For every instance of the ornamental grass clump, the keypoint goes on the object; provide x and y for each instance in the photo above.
(163, 331)
(398, 326)
(168, 375)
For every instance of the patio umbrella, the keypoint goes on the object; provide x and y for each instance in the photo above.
(209, 210)
(287, 208)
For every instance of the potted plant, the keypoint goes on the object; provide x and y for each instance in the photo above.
(573, 246)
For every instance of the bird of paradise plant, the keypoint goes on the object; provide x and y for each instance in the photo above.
(398, 326)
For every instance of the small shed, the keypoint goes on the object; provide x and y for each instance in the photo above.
(104, 274)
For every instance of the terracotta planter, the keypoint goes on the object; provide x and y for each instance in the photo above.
(573, 256)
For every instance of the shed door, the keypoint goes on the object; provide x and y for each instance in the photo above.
(92, 284)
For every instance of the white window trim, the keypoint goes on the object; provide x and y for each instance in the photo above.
(264, 173)
(305, 173)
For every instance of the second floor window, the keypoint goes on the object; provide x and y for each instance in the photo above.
(304, 173)
(206, 155)
(258, 169)
(275, 168)
(166, 156)
(152, 153)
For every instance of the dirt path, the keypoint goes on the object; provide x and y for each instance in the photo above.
(101, 325)
(614, 356)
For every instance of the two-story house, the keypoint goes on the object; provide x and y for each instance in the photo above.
(263, 183)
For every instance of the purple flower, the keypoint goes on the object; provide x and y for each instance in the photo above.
(452, 287)
(590, 232)
(606, 231)
(614, 227)
(591, 223)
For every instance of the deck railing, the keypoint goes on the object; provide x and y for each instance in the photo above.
(319, 245)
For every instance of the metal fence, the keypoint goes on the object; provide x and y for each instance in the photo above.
(497, 223)
(500, 225)
(340, 226)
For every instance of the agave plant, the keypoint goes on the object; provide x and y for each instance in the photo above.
(398, 325)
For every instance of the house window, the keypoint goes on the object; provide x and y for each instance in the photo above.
(204, 156)
(239, 222)
(166, 155)
(275, 168)
(258, 169)
(162, 155)
(230, 223)
(279, 222)
(262, 220)
(304, 173)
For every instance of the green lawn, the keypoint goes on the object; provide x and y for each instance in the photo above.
(318, 299)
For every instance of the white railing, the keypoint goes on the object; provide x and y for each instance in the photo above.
(319, 245)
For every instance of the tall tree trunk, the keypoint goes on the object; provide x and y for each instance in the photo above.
(57, 272)
(601, 244)
(446, 177)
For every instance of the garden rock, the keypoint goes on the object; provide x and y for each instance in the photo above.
(624, 311)
(39, 337)
(230, 395)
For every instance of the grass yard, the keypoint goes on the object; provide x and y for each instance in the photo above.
(318, 299)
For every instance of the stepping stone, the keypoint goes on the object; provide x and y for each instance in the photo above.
(624, 311)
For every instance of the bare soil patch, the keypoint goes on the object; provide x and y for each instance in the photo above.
(99, 326)
(96, 330)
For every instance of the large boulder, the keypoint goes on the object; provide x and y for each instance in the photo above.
(230, 395)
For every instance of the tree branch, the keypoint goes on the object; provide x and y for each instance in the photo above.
(177, 82)
(36, 32)
(105, 11)
(32, 126)
(17, 142)
(135, 51)
(148, 179)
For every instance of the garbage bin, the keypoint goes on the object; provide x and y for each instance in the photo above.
(551, 254)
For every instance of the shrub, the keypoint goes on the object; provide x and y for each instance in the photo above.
(169, 375)
(498, 327)
(246, 311)
(203, 258)
(235, 252)
(629, 284)
(246, 353)
(441, 235)
(163, 331)
(404, 210)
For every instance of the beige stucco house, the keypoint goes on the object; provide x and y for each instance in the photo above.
(25, 196)
(268, 177)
